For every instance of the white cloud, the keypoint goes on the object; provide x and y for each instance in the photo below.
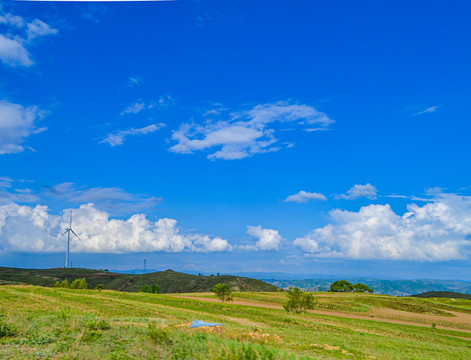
(19, 195)
(13, 53)
(5, 182)
(12, 20)
(14, 42)
(38, 28)
(359, 191)
(304, 196)
(135, 108)
(429, 110)
(10, 193)
(134, 81)
(16, 124)
(437, 231)
(117, 138)
(141, 105)
(112, 199)
(245, 133)
(267, 239)
(34, 230)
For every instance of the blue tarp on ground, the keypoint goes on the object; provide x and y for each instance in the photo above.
(198, 323)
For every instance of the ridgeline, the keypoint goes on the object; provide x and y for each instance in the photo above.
(169, 281)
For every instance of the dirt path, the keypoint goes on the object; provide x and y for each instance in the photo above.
(459, 322)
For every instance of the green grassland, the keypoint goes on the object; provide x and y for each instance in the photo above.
(49, 323)
(169, 281)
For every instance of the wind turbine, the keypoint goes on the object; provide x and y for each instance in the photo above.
(68, 231)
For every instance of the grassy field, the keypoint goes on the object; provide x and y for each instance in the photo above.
(48, 323)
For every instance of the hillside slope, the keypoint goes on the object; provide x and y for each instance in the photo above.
(443, 294)
(169, 281)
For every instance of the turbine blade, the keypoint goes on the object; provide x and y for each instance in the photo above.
(64, 233)
(70, 219)
(73, 232)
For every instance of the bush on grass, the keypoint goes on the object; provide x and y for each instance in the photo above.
(299, 301)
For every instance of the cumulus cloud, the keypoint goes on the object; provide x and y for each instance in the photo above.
(304, 196)
(16, 124)
(437, 231)
(19, 35)
(34, 229)
(112, 199)
(359, 191)
(245, 133)
(117, 138)
(267, 239)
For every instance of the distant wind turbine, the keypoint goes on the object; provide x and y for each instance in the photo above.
(68, 231)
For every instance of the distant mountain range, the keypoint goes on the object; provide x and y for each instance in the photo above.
(388, 287)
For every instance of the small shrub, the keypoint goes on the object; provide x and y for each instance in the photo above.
(100, 287)
(299, 301)
(157, 334)
(103, 325)
(79, 284)
(94, 324)
(145, 288)
(64, 284)
(154, 289)
(7, 330)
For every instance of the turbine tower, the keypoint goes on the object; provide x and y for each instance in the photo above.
(68, 231)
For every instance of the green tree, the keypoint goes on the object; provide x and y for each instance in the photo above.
(145, 288)
(154, 289)
(362, 288)
(64, 284)
(79, 284)
(299, 301)
(223, 292)
(341, 286)
(100, 287)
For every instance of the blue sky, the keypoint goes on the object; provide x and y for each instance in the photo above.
(223, 136)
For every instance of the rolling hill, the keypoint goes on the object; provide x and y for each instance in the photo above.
(443, 294)
(169, 281)
(49, 323)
